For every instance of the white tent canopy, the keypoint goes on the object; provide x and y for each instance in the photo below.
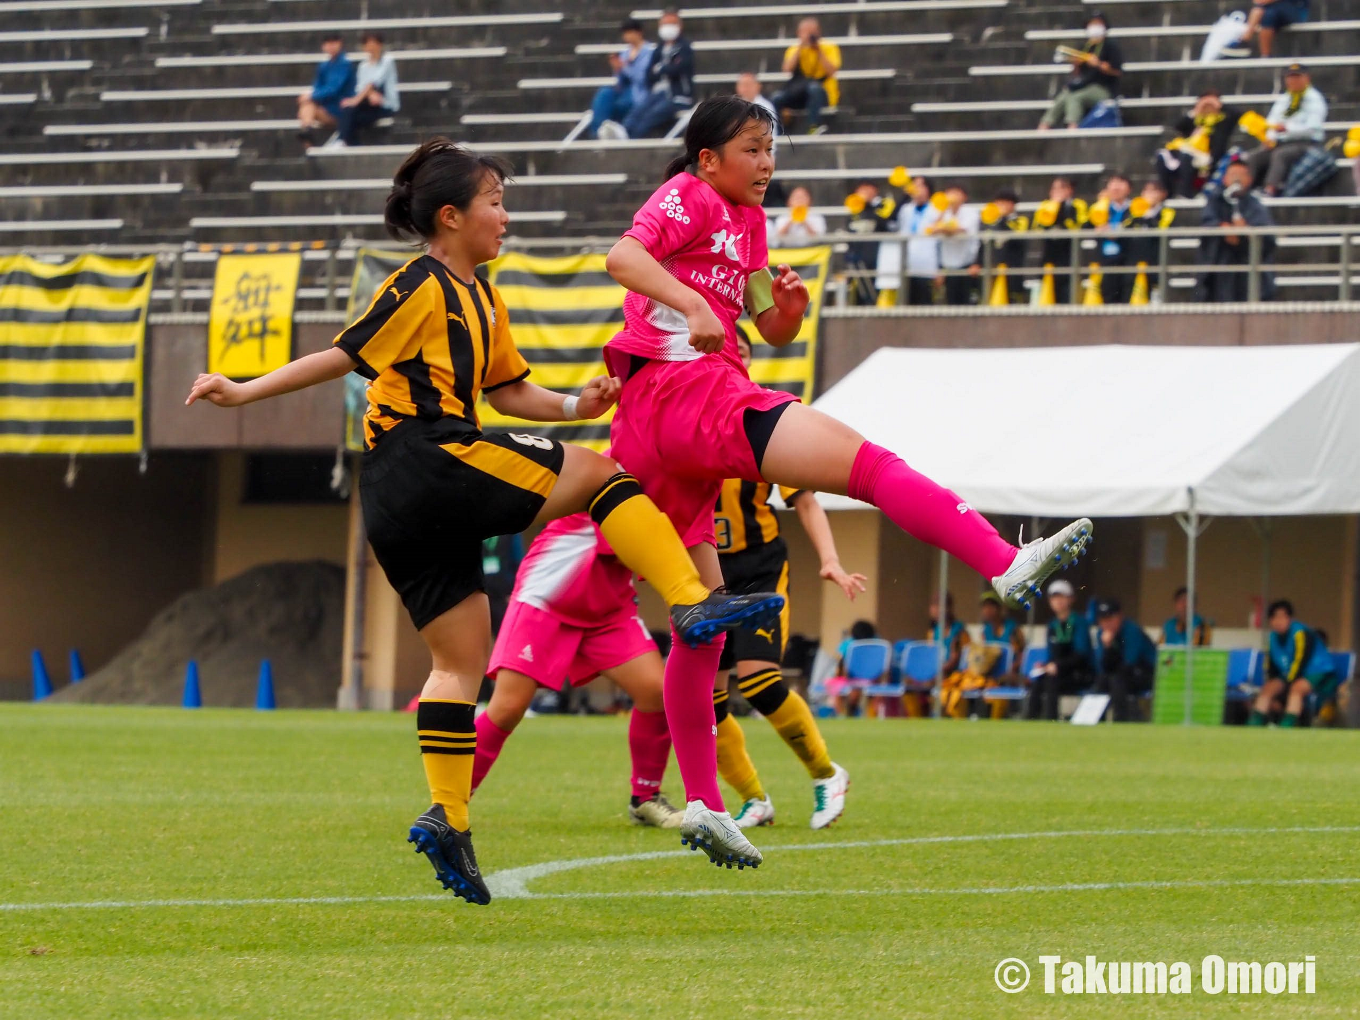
(1116, 431)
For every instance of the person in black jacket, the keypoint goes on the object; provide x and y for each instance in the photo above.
(871, 213)
(1096, 73)
(1202, 136)
(1063, 212)
(1125, 660)
(1069, 666)
(670, 76)
(1234, 205)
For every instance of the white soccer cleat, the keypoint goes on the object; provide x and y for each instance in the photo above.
(755, 813)
(717, 835)
(1022, 583)
(830, 797)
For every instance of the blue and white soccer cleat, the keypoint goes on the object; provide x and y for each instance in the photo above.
(723, 610)
(1022, 583)
(717, 835)
(450, 853)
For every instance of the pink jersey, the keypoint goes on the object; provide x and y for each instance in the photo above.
(571, 572)
(708, 244)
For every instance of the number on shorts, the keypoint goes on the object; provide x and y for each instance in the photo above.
(538, 442)
(723, 527)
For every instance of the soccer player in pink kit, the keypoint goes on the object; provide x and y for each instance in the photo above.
(572, 616)
(690, 417)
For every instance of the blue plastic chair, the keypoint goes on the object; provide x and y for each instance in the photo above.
(1242, 663)
(1034, 657)
(914, 666)
(867, 661)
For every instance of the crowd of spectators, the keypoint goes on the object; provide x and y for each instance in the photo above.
(348, 97)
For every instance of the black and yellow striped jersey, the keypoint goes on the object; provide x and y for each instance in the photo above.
(743, 517)
(430, 344)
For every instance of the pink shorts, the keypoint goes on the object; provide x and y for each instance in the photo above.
(548, 651)
(679, 428)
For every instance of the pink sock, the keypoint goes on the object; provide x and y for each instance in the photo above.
(490, 739)
(926, 511)
(688, 695)
(649, 742)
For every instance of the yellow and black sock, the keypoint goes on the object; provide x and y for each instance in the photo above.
(790, 716)
(734, 764)
(448, 740)
(644, 539)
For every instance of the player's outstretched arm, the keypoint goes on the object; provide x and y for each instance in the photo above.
(818, 528)
(320, 367)
(781, 313)
(534, 403)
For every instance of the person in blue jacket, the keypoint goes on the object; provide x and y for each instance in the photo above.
(1125, 660)
(1173, 631)
(319, 106)
(1299, 665)
(1068, 669)
(670, 81)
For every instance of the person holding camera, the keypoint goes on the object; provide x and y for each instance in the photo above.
(1234, 205)
(812, 64)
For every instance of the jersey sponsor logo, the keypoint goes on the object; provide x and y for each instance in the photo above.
(725, 241)
(673, 207)
(527, 654)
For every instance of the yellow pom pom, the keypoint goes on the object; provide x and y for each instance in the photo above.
(899, 178)
(1354, 132)
(1139, 207)
(990, 214)
(1047, 213)
(939, 201)
(798, 213)
(1351, 148)
(855, 203)
(1099, 214)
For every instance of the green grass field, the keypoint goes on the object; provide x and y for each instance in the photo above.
(1130, 843)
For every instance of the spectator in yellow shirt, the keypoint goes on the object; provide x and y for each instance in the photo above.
(812, 65)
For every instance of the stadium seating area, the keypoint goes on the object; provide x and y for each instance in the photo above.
(152, 121)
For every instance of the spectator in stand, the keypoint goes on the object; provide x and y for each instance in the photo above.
(749, 88)
(1110, 215)
(1202, 137)
(1266, 18)
(870, 213)
(1068, 669)
(955, 635)
(1234, 205)
(1125, 659)
(799, 226)
(845, 698)
(376, 92)
(1293, 126)
(1299, 665)
(957, 227)
(319, 106)
(923, 251)
(1173, 631)
(670, 81)
(1151, 214)
(1095, 77)
(1010, 253)
(614, 102)
(997, 628)
(1066, 213)
(811, 64)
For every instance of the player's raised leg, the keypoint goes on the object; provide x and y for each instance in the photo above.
(811, 450)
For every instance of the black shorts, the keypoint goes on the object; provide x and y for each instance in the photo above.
(765, 568)
(432, 492)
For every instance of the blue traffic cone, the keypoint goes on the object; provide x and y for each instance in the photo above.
(77, 667)
(264, 690)
(193, 697)
(42, 683)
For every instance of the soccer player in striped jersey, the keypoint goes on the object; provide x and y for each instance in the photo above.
(572, 617)
(433, 486)
(753, 556)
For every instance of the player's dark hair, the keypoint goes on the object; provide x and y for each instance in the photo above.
(716, 122)
(438, 173)
(1279, 604)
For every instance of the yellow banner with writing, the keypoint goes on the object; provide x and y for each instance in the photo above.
(563, 310)
(72, 338)
(250, 326)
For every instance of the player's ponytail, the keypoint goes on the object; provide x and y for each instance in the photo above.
(438, 173)
(716, 122)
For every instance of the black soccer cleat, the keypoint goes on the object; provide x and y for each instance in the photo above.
(721, 611)
(450, 853)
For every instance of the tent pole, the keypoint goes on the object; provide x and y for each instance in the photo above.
(1265, 530)
(941, 631)
(1192, 538)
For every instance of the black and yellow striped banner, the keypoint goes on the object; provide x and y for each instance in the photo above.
(563, 310)
(71, 344)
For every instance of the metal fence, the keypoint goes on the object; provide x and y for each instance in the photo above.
(184, 278)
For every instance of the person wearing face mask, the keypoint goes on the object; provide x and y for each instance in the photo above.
(1095, 77)
(670, 80)
(1234, 205)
